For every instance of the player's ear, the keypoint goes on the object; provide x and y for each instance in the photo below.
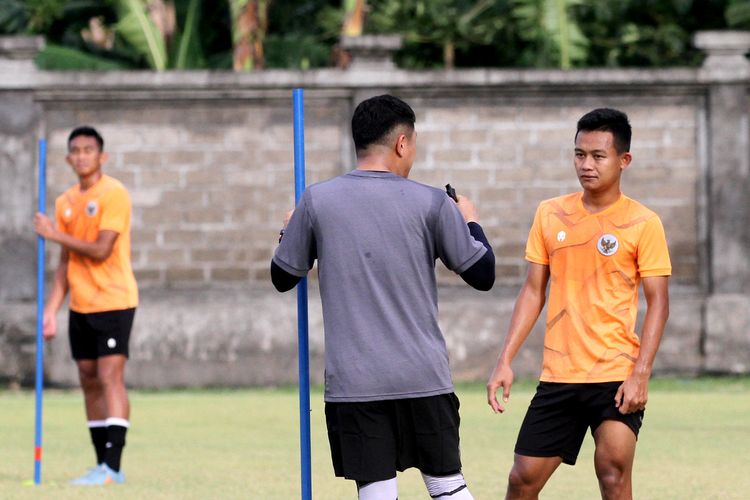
(625, 160)
(401, 146)
(69, 159)
(103, 157)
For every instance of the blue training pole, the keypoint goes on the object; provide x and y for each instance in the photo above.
(40, 315)
(302, 337)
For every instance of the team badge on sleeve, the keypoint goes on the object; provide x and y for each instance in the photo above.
(607, 245)
(91, 208)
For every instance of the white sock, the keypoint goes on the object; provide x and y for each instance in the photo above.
(122, 422)
(451, 487)
(379, 490)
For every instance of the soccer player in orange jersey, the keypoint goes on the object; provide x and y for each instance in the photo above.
(93, 230)
(595, 248)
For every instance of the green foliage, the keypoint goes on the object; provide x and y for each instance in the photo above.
(738, 14)
(141, 32)
(450, 25)
(56, 57)
(647, 32)
(29, 16)
(302, 33)
(553, 36)
(188, 52)
(438, 33)
(296, 52)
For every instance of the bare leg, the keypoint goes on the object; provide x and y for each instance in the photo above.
(613, 459)
(529, 475)
(111, 375)
(93, 392)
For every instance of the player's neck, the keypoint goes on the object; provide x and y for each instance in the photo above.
(598, 202)
(379, 164)
(86, 181)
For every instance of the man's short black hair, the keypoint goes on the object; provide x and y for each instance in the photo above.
(86, 131)
(608, 120)
(375, 118)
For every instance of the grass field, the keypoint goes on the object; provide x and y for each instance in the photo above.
(695, 444)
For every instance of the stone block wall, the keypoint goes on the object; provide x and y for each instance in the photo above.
(210, 182)
(510, 153)
(207, 157)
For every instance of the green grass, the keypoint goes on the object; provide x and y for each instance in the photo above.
(244, 444)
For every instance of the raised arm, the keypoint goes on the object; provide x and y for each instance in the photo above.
(481, 275)
(97, 250)
(528, 306)
(633, 393)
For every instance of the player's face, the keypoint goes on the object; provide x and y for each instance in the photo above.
(85, 156)
(597, 162)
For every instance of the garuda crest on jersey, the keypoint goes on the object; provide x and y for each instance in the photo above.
(607, 245)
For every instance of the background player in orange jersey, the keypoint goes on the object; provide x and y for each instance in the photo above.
(595, 248)
(93, 229)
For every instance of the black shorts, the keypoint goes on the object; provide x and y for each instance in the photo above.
(560, 414)
(372, 440)
(100, 334)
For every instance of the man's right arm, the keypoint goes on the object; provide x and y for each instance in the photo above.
(282, 280)
(481, 275)
(528, 306)
(56, 296)
(297, 248)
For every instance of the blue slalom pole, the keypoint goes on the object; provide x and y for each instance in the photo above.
(302, 337)
(40, 315)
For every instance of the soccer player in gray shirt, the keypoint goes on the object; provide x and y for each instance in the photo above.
(376, 235)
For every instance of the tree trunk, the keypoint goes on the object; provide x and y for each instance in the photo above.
(449, 54)
(249, 25)
(354, 17)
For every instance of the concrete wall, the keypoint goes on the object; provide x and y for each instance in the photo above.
(208, 160)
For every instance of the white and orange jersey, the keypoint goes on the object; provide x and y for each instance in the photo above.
(596, 262)
(97, 286)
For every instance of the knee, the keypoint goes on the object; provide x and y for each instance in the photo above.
(110, 378)
(521, 484)
(612, 478)
(88, 377)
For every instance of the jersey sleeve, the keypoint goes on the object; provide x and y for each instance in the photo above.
(536, 250)
(297, 248)
(115, 211)
(653, 252)
(455, 246)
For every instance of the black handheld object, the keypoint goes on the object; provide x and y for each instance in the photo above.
(451, 192)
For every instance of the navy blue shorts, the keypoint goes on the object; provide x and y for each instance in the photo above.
(94, 335)
(372, 440)
(560, 414)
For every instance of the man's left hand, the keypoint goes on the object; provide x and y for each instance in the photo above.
(632, 395)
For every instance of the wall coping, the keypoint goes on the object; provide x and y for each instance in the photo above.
(372, 68)
(372, 51)
(20, 47)
(332, 82)
(725, 55)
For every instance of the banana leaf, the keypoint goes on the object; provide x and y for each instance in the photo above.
(140, 31)
(59, 58)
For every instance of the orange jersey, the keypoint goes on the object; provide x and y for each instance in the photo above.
(596, 263)
(97, 286)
